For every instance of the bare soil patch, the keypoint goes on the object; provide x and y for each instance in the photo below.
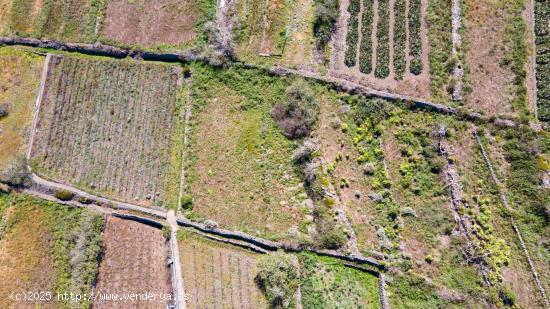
(135, 260)
(150, 23)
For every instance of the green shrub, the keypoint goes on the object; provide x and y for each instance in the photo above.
(278, 278)
(326, 15)
(365, 49)
(399, 39)
(63, 195)
(187, 202)
(333, 239)
(415, 40)
(382, 69)
(298, 111)
(352, 37)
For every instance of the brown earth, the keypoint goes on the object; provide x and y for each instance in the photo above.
(134, 261)
(485, 22)
(150, 23)
(219, 276)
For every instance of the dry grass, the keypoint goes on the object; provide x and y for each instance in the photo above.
(491, 81)
(150, 23)
(217, 275)
(26, 255)
(20, 73)
(134, 261)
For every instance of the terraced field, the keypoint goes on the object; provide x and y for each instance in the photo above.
(217, 275)
(104, 127)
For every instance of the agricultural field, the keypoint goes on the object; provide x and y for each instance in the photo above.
(135, 260)
(104, 127)
(73, 21)
(384, 44)
(495, 57)
(47, 247)
(151, 24)
(19, 83)
(218, 275)
(226, 276)
(542, 40)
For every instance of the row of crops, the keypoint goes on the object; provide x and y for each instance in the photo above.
(542, 32)
(407, 40)
(104, 126)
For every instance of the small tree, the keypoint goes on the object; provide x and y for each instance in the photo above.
(326, 15)
(298, 112)
(187, 202)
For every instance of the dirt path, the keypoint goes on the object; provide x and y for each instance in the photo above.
(38, 103)
(176, 260)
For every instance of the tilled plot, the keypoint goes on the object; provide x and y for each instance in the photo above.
(218, 276)
(135, 261)
(104, 126)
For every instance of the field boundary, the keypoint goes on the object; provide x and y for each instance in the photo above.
(504, 201)
(339, 84)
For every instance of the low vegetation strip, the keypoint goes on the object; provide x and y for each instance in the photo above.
(400, 39)
(542, 40)
(415, 39)
(365, 49)
(92, 116)
(352, 37)
(382, 69)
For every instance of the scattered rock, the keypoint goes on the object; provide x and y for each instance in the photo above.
(293, 231)
(211, 224)
(357, 194)
(408, 212)
(375, 197)
(369, 169)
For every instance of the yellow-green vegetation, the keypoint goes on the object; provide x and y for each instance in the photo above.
(326, 283)
(441, 63)
(47, 247)
(20, 72)
(65, 20)
(241, 172)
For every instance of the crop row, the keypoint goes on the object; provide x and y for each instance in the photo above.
(216, 278)
(365, 49)
(415, 40)
(542, 31)
(104, 127)
(352, 38)
(399, 39)
(383, 48)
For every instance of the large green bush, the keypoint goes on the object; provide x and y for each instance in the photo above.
(278, 278)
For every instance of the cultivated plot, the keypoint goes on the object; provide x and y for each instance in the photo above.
(217, 275)
(106, 127)
(135, 260)
(383, 44)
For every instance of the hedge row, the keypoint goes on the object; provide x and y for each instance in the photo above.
(415, 40)
(382, 50)
(365, 49)
(399, 39)
(542, 32)
(352, 37)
